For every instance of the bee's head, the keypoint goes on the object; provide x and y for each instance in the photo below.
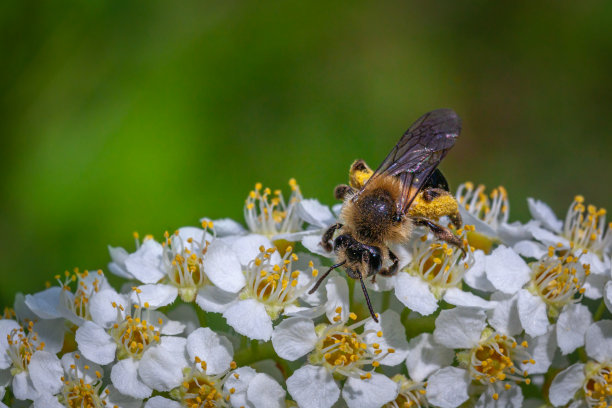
(360, 258)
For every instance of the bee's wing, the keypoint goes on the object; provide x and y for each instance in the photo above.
(419, 151)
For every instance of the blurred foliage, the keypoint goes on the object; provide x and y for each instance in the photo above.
(121, 116)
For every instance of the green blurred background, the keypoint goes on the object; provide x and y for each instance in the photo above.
(144, 116)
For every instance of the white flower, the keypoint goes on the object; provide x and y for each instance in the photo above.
(590, 384)
(82, 384)
(549, 289)
(270, 285)
(584, 229)
(489, 215)
(338, 350)
(489, 358)
(435, 273)
(129, 339)
(35, 371)
(199, 376)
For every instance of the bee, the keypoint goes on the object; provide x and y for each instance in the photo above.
(383, 207)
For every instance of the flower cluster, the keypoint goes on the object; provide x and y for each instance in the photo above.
(221, 315)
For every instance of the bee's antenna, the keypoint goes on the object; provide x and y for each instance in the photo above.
(365, 292)
(322, 278)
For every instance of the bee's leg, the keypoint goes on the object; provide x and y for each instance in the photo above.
(392, 270)
(342, 190)
(456, 220)
(327, 236)
(440, 232)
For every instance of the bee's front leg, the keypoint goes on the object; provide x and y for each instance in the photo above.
(327, 236)
(392, 270)
(440, 232)
(342, 190)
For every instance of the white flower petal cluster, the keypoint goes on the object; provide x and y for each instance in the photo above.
(223, 315)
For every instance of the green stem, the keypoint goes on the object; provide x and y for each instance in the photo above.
(600, 311)
(256, 352)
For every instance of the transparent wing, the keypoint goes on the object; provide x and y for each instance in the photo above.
(419, 151)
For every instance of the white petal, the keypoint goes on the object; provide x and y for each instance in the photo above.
(337, 297)
(530, 249)
(506, 270)
(572, 324)
(476, 276)
(247, 247)
(315, 213)
(369, 393)
(543, 213)
(532, 313)
(216, 350)
(546, 237)
(293, 338)
(504, 317)
(599, 341)
(161, 402)
(594, 285)
(249, 318)
(608, 295)
(86, 369)
(101, 307)
(156, 296)
(394, 337)
(115, 399)
(185, 314)
(167, 326)
(23, 387)
(226, 226)
(95, 344)
(45, 303)
(145, 263)
(6, 327)
(161, 367)
(313, 387)
(117, 266)
(222, 266)
(566, 384)
(312, 243)
(51, 333)
(459, 327)
(124, 376)
(239, 380)
(542, 350)
(46, 372)
(512, 398)
(265, 392)
(447, 388)
(43, 401)
(415, 294)
(212, 299)
(426, 356)
(598, 267)
(457, 297)
(194, 234)
(514, 232)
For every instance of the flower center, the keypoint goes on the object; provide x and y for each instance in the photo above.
(21, 347)
(184, 263)
(78, 393)
(557, 279)
(493, 209)
(440, 265)
(411, 394)
(584, 226)
(79, 302)
(134, 335)
(199, 390)
(598, 385)
(276, 286)
(492, 362)
(342, 350)
(268, 214)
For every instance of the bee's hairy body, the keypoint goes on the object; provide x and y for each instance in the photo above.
(372, 218)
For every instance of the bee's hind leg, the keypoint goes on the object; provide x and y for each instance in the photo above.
(392, 270)
(327, 236)
(440, 232)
